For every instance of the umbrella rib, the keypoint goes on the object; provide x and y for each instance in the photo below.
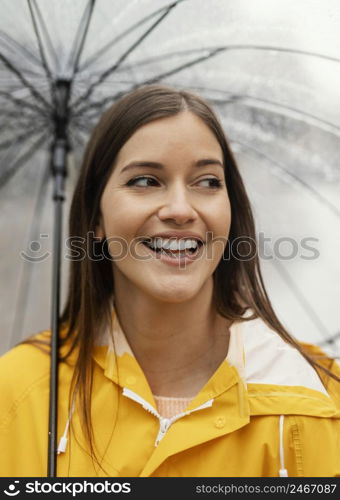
(301, 298)
(296, 178)
(21, 137)
(268, 48)
(284, 50)
(27, 84)
(75, 137)
(40, 45)
(23, 103)
(81, 35)
(15, 114)
(80, 124)
(331, 339)
(242, 97)
(26, 269)
(24, 50)
(129, 30)
(14, 143)
(46, 33)
(25, 123)
(78, 138)
(154, 79)
(234, 47)
(42, 51)
(113, 68)
(309, 188)
(8, 174)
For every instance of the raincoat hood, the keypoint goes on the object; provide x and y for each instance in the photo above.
(264, 412)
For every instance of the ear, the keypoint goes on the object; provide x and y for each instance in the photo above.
(99, 230)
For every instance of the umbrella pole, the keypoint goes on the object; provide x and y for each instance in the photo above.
(53, 402)
(59, 171)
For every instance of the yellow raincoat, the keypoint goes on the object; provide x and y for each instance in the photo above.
(264, 412)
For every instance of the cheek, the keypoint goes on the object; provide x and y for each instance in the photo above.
(221, 217)
(122, 222)
(220, 223)
(120, 216)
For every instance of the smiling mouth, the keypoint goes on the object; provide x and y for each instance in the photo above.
(175, 253)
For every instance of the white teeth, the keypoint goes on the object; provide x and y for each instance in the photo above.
(166, 244)
(174, 245)
(191, 244)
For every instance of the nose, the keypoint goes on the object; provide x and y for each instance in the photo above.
(177, 206)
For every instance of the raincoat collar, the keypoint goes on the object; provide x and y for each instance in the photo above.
(120, 365)
(266, 375)
(228, 411)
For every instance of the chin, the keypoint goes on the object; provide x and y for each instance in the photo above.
(174, 294)
(176, 299)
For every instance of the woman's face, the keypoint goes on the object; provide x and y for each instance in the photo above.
(167, 187)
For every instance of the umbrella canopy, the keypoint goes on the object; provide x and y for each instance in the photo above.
(273, 74)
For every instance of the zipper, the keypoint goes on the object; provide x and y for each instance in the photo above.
(164, 423)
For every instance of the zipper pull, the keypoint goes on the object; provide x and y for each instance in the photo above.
(164, 425)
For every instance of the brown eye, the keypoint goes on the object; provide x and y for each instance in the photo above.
(213, 182)
(147, 181)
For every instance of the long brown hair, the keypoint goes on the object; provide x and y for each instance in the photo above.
(238, 283)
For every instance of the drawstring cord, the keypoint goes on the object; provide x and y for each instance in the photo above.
(64, 439)
(283, 471)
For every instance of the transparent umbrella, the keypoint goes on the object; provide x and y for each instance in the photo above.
(272, 74)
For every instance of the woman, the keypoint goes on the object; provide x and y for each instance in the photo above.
(173, 362)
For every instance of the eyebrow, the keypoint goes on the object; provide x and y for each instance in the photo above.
(153, 164)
